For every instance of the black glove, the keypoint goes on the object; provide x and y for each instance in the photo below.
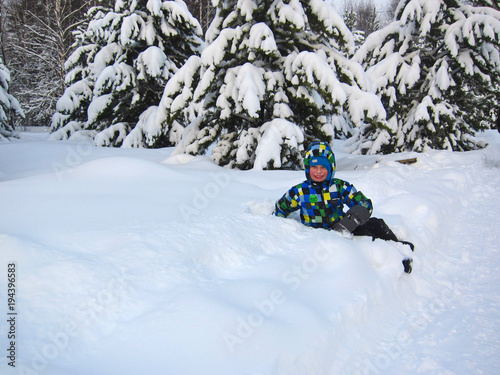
(356, 216)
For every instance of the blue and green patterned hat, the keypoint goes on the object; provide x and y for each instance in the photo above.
(320, 153)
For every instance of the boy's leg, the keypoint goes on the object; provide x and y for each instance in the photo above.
(376, 228)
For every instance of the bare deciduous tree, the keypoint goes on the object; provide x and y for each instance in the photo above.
(367, 17)
(361, 16)
(202, 10)
(38, 41)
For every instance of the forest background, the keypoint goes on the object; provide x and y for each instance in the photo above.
(38, 39)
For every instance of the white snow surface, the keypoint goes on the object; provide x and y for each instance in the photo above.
(136, 261)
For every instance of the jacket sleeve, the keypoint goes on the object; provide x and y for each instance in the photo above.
(287, 203)
(351, 197)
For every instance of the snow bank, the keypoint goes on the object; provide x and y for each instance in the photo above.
(138, 261)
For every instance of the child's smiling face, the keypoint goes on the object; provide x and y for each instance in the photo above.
(318, 173)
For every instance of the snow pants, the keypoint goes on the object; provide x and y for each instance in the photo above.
(376, 228)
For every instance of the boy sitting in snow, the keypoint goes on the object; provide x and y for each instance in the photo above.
(321, 199)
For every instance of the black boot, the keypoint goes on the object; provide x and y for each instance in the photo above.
(407, 264)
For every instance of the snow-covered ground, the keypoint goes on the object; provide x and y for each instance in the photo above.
(133, 261)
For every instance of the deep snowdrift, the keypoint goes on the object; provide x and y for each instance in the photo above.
(134, 261)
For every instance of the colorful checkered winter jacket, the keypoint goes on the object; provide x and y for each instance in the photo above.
(321, 204)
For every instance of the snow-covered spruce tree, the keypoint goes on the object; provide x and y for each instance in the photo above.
(9, 106)
(273, 77)
(119, 70)
(487, 3)
(436, 69)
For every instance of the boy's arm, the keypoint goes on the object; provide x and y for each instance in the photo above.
(351, 197)
(360, 208)
(286, 204)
